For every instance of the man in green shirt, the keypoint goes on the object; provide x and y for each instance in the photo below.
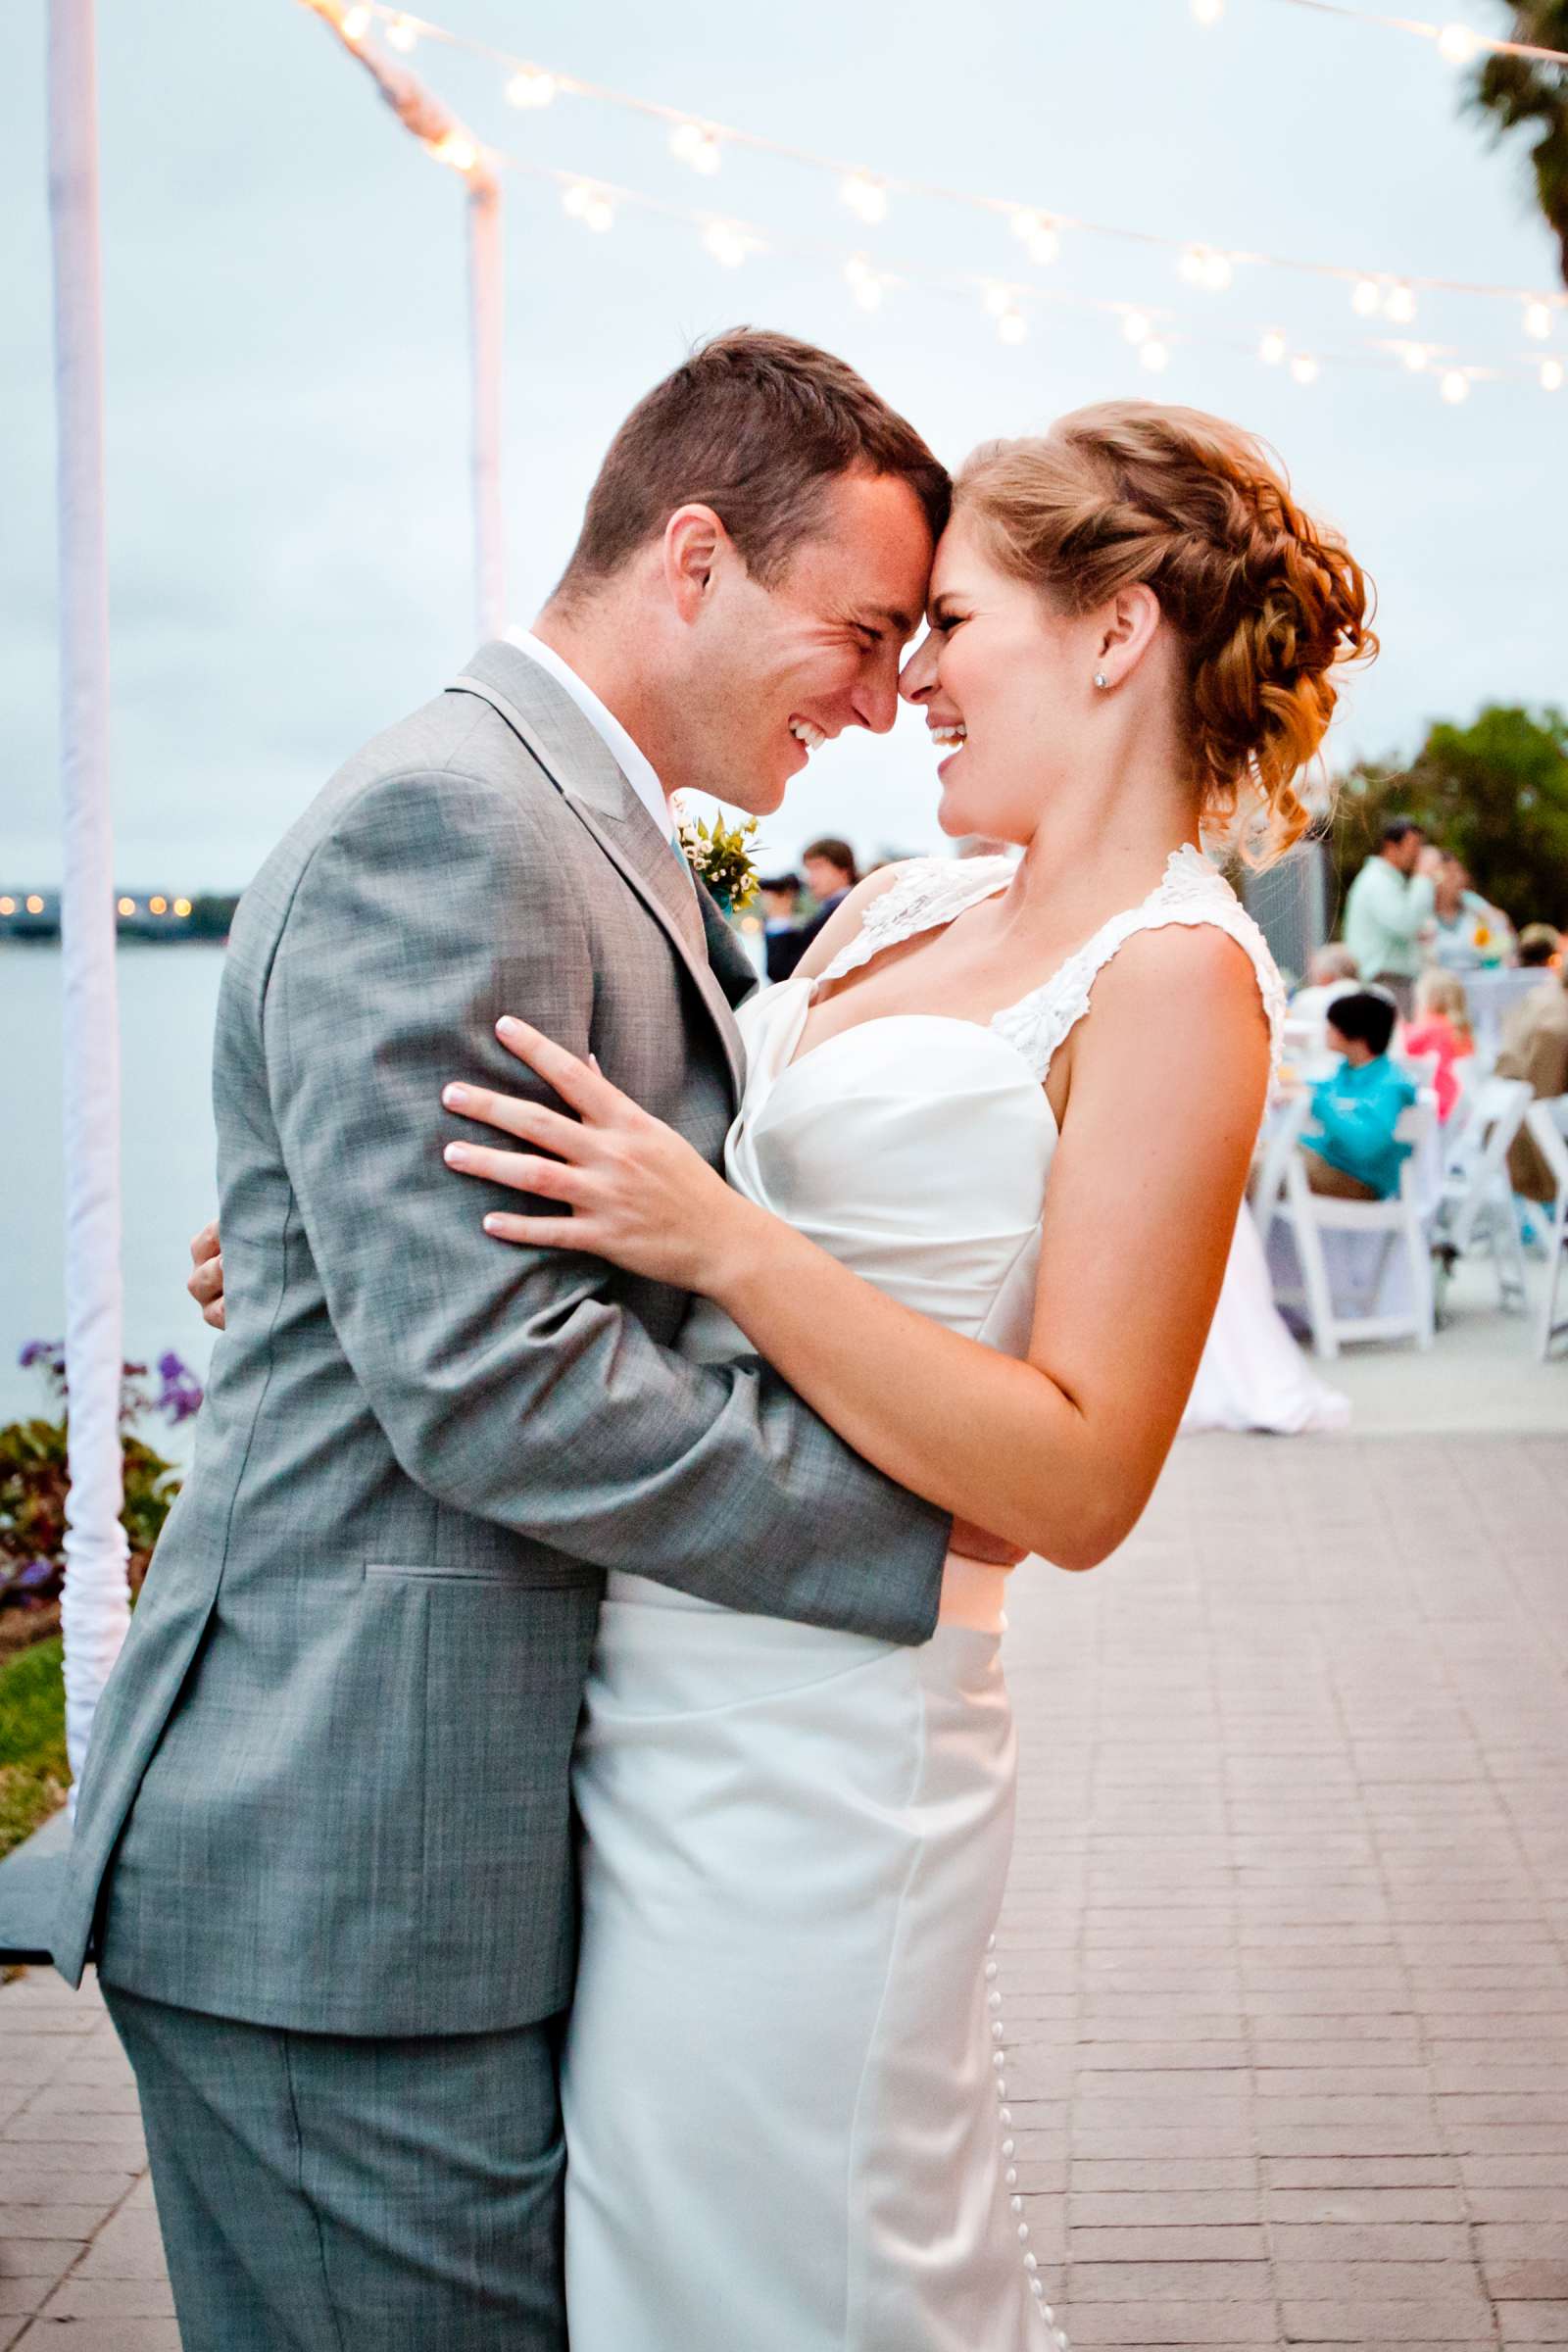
(1388, 906)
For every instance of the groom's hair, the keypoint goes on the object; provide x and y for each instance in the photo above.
(754, 425)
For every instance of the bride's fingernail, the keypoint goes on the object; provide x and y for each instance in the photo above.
(456, 1155)
(507, 1026)
(454, 1097)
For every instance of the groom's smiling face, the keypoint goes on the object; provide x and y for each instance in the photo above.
(774, 672)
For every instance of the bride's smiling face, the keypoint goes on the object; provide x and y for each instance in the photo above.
(1004, 682)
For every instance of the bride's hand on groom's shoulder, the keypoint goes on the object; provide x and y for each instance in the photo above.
(637, 1194)
(205, 1283)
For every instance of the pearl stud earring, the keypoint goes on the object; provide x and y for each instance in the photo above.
(1101, 680)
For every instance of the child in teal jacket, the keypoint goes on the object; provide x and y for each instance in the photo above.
(1349, 1144)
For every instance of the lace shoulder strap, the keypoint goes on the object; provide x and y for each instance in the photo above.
(1192, 891)
(927, 892)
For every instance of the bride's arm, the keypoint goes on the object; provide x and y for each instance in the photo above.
(1059, 1452)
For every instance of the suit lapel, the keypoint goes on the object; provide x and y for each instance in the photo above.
(578, 763)
(733, 968)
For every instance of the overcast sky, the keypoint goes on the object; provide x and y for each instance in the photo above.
(285, 312)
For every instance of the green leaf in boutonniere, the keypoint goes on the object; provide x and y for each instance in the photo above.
(721, 856)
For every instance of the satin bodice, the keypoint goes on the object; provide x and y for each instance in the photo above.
(914, 1148)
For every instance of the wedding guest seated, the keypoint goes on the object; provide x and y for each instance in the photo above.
(1333, 971)
(1442, 1026)
(1349, 1148)
(1535, 1046)
(784, 941)
(1539, 945)
(831, 873)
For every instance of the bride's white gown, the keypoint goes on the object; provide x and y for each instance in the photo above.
(785, 2091)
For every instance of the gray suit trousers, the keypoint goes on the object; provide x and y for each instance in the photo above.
(324, 2192)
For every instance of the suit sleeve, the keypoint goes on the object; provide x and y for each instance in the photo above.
(509, 1383)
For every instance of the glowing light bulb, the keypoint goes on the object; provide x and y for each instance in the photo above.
(726, 243)
(1154, 355)
(182, 907)
(158, 905)
(1414, 356)
(590, 206)
(531, 86)
(1011, 325)
(1271, 350)
(1202, 266)
(1399, 305)
(121, 906)
(457, 150)
(1037, 235)
(35, 904)
(1551, 375)
(8, 905)
(355, 23)
(1457, 45)
(1538, 320)
(863, 282)
(1366, 295)
(696, 146)
(1305, 368)
(1208, 12)
(865, 197)
(402, 34)
(1454, 387)
(1136, 327)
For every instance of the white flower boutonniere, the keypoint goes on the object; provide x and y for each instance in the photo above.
(721, 856)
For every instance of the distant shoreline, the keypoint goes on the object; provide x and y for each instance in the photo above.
(169, 918)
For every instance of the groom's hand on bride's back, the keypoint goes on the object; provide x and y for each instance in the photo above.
(205, 1284)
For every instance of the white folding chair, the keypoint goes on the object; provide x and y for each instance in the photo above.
(1420, 1068)
(1477, 1198)
(1548, 1123)
(1278, 1149)
(1396, 1221)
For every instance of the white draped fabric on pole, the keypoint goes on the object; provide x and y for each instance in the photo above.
(96, 1607)
(444, 137)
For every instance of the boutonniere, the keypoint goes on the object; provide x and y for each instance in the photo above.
(721, 856)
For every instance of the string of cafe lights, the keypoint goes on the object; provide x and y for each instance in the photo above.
(594, 203)
(1457, 44)
(701, 143)
(1152, 331)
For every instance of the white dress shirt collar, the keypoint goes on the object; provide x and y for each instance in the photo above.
(633, 764)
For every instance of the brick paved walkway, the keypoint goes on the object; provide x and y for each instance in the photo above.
(1286, 1952)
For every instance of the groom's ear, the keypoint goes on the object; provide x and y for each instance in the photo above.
(694, 540)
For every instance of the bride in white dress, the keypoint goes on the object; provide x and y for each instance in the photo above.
(983, 1237)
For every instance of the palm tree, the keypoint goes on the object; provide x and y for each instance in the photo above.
(1516, 91)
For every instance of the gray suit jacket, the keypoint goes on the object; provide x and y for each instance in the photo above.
(329, 1784)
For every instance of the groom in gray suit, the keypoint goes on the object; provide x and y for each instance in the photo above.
(323, 1843)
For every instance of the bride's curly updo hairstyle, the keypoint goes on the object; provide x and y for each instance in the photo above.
(1267, 602)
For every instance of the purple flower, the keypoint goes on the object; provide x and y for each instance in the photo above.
(35, 1573)
(181, 1393)
(49, 1352)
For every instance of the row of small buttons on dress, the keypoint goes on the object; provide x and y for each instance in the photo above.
(1009, 2150)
